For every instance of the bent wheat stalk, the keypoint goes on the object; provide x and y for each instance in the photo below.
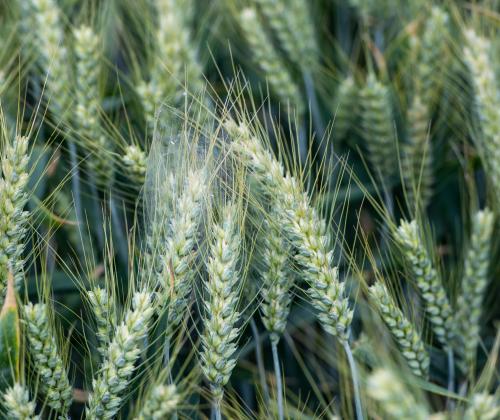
(308, 233)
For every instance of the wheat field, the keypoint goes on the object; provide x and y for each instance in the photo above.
(249, 209)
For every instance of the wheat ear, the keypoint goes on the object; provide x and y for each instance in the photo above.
(13, 217)
(46, 357)
(291, 22)
(221, 305)
(437, 305)
(270, 62)
(175, 68)
(135, 162)
(477, 56)
(304, 227)
(181, 244)
(87, 52)
(103, 311)
(409, 341)
(395, 400)
(52, 54)
(176, 49)
(18, 405)
(119, 364)
(160, 403)
(474, 282)
(417, 156)
(377, 123)
(430, 72)
(482, 407)
(277, 282)
(344, 108)
(307, 231)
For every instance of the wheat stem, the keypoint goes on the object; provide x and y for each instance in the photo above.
(451, 370)
(277, 374)
(355, 380)
(260, 359)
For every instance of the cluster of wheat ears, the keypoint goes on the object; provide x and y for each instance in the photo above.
(249, 209)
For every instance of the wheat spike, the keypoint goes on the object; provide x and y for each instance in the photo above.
(277, 282)
(408, 339)
(304, 227)
(437, 305)
(119, 364)
(17, 404)
(181, 243)
(135, 162)
(87, 52)
(395, 400)
(482, 407)
(104, 312)
(269, 61)
(45, 353)
(417, 156)
(474, 282)
(13, 217)
(221, 304)
(378, 127)
(477, 56)
(292, 23)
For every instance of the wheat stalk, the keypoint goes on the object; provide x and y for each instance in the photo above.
(408, 339)
(46, 357)
(18, 405)
(307, 231)
(119, 364)
(221, 305)
(13, 217)
(474, 282)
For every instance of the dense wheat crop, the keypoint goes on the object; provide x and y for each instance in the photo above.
(249, 209)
